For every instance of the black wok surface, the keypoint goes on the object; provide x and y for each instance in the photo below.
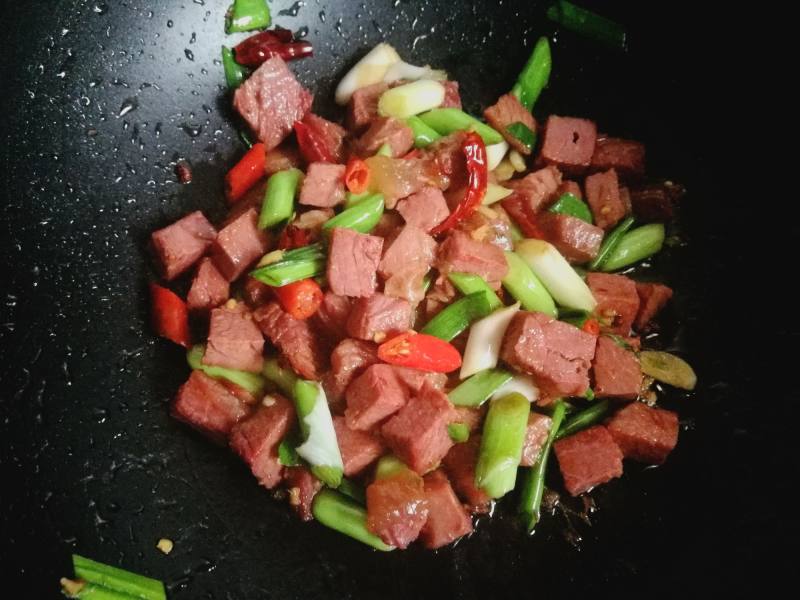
(100, 98)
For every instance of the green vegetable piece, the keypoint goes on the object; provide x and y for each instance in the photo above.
(424, 135)
(362, 217)
(388, 466)
(523, 133)
(469, 283)
(585, 22)
(569, 204)
(287, 450)
(477, 389)
(117, 580)
(351, 199)
(247, 15)
(668, 368)
(574, 316)
(458, 432)
(294, 265)
(353, 490)
(284, 379)
(235, 73)
(91, 591)
(501, 444)
(457, 317)
(523, 285)
(345, 516)
(535, 74)
(583, 419)
(278, 205)
(320, 448)
(384, 150)
(449, 120)
(589, 394)
(636, 245)
(610, 242)
(252, 382)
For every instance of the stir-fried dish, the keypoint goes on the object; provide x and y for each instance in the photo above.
(406, 314)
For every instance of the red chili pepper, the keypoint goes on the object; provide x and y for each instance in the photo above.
(279, 42)
(356, 176)
(478, 178)
(420, 351)
(300, 299)
(313, 146)
(246, 173)
(591, 326)
(170, 315)
(516, 207)
(293, 237)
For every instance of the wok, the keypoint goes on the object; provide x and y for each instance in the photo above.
(101, 98)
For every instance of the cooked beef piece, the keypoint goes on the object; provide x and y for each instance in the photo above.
(617, 300)
(397, 508)
(471, 417)
(452, 97)
(301, 486)
(295, 339)
(568, 143)
(643, 433)
(460, 253)
(656, 202)
(603, 196)
(652, 298)
(386, 130)
(256, 293)
(406, 261)
(353, 262)
(271, 100)
(234, 340)
(348, 360)
(205, 404)
(489, 225)
(209, 288)
(363, 106)
(535, 437)
(323, 185)
(424, 209)
(507, 111)
(373, 396)
(616, 371)
(238, 245)
(460, 464)
(577, 240)
(569, 187)
(415, 379)
(331, 134)
(587, 459)
(626, 157)
(331, 317)
(378, 317)
(447, 519)
(359, 449)
(538, 189)
(180, 245)
(285, 156)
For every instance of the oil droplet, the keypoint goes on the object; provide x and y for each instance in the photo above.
(189, 54)
(192, 130)
(170, 23)
(293, 9)
(301, 33)
(322, 16)
(128, 105)
(100, 9)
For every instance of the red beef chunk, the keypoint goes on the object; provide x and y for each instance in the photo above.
(406, 261)
(359, 449)
(353, 262)
(415, 379)
(180, 245)
(602, 194)
(536, 189)
(331, 317)
(256, 439)
(447, 155)
(238, 245)
(617, 300)
(425, 209)
(373, 396)
(294, 338)
(489, 225)
(234, 340)
(256, 293)
(556, 354)
(302, 486)
(577, 240)
(587, 459)
(471, 417)
(323, 185)
(616, 370)
(656, 202)
(447, 519)
(652, 298)
(569, 187)
(271, 100)
(397, 508)
(568, 143)
(331, 134)
(206, 405)
(378, 317)
(386, 130)
(209, 288)
(452, 97)
(535, 437)
(643, 433)
(507, 111)
(418, 433)
(460, 253)
(348, 360)
(363, 106)
(459, 463)
(626, 157)
(285, 156)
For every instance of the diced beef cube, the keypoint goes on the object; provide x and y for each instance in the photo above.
(386, 130)
(373, 396)
(587, 459)
(352, 262)
(294, 338)
(537, 189)
(447, 154)
(535, 437)
(626, 157)
(471, 417)
(447, 519)
(209, 288)
(617, 300)
(425, 209)
(323, 185)
(460, 253)
(331, 317)
(568, 143)
(556, 354)
(643, 433)
(459, 463)
(406, 261)
(602, 194)
(452, 97)
(286, 156)
(359, 449)
(415, 379)
(348, 360)
(577, 240)
(331, 134)
(652, 298)
(656, 202)
(378, 317)
(256, 439)
(507, 111)
(363, 106)
(625, 197)
(397, 508)
(489, 225)
(301, 486)
(234, 340)
(180, 245)
(569, 187)
(617, 373)
(206, 405)
(418, 433)
(271, 100)
(238, 245)
(256, 293)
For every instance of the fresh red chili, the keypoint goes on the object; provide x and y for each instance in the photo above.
(300, 299)
(478, 178)
(356, 176)
(170, 315)
(420, 351)
(278, 42)
(293, 237)
(591, 326)
(312, 145)
(246, 173)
